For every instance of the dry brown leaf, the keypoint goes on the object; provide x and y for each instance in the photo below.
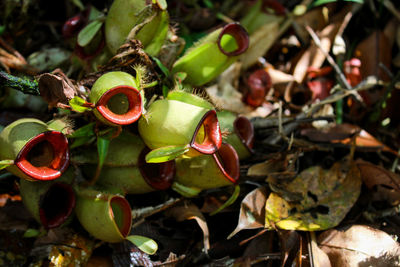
(189, 211)
(278, 76)
(265, 168)
(56, 88)
(342, 133)
(252, 211)
(291, 246)
(360, 245)
(373, 175)
(376, 176)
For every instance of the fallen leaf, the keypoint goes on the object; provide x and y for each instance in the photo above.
(252, 212)
(327, 196)
(291, 246)
(265, 168)
(56, 88)
(386, 183)
(189, 211)
(342, 133)
(360, 245)
(373, 175)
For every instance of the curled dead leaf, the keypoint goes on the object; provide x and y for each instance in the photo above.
(56, 88)
(252, 212)
(189, 211)
(360, 245)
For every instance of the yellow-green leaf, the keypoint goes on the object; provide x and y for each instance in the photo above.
(145, 244)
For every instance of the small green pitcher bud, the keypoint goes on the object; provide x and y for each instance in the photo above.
(38, 153)
(50, 202)
(116, 98)
(171, 122)
(213, 54)
(240, 132)
(209, 171)
(125, 169)
(105, 216)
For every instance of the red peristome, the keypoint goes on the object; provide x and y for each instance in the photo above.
(245, 130)
(213, 139)
(228, 162)
(274, 5)
(158, 175)
(57, 166)
(73, 25)
(135, 105)
(56, 205)
(125, 228)
(241, 37)
(257, 86)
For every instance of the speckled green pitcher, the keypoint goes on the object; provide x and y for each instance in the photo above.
(208, 171)
(240, 132)
(105, 216)
(125, 169)
(213, 54)
(116, 98)
(183, 120)
(50, 202)
(35, 151)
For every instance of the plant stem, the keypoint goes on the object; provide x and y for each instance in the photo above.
(24, 85)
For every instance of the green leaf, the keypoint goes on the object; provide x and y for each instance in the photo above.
(102, 150)
(165, 91)
(229, 202)
(166, 153)
(2, 29)
(323, 2)
(94, 14)
(145, 244)
(87, 34)
(31, 233)
(79, 104)
(84, 131)
(79, 4)
(162, 67)
(5, 163)
(184, 190)
(80, 141)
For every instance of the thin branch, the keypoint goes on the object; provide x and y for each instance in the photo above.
(317, 42)
(26, 86)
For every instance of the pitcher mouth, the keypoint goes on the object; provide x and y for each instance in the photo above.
(44, 157)
(239, 34)
(245, 130)
(158, 175)
(207, 137)
(123, 112)
(56, 205)
(228, 162)
(120, 212)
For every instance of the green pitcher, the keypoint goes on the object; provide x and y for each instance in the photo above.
(105, 216)
(33, 150)
(50, 202)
